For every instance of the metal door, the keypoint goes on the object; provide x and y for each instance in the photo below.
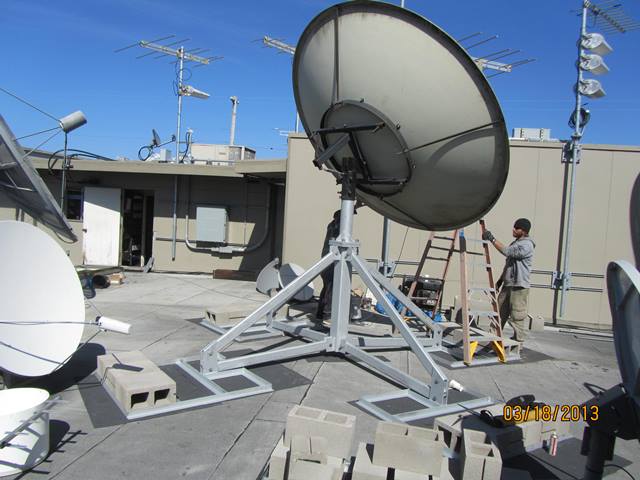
(101, 226)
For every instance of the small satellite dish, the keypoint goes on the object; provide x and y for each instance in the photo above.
(22, 184)
(42, 313)
(288, 273)
(385, 87)
(623, 285)
(155, 141)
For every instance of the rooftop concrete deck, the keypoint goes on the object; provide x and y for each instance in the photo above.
(233, 440)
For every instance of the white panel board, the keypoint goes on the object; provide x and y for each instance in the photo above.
(101, 226)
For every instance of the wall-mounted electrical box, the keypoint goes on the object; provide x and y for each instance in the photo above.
(211, 224)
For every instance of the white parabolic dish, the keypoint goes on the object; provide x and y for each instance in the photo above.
(42, 312)
(363, 63)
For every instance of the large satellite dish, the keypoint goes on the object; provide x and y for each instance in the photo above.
(634, 220)
(623, 285)
(386, 87)
(42, 313)
(22, 184)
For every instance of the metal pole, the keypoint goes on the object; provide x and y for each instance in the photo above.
(575, 152)
(385, 248)
(174, 232)
(63, 187)
(234, 108)
(180, 72)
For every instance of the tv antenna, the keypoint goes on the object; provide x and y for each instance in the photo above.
(283, 48)
(490, 61)
(182, 56)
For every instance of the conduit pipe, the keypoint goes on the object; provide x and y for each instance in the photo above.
(229, 247)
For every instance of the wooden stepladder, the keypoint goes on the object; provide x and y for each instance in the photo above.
(472, 334)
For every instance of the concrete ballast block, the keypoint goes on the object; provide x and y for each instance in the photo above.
(135, 381)
(409, 448)
(311, 449)
(337, 428)
(304, 470)
(278, 462)
(364, 469)
(480, 459)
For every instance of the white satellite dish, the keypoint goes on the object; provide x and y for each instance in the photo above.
(288, 273)
(42, 313)
(386, 87)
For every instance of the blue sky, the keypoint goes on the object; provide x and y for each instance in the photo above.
(60, 56)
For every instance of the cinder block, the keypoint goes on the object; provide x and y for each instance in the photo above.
(303, 470)
(405, 475)
(226, 316)
(536, 324)
(364, 469)
(337, 428)
(511, 440)
(405, 447)
(480, 459)
(311, 449)
(135, 381)
(278, 462)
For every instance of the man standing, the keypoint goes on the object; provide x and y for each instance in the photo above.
(513, 300)
(324, 301)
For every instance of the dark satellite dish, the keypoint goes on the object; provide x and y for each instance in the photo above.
(634, 220)
(623, 285)
(384, 86)
(22, 184)
(156, 138)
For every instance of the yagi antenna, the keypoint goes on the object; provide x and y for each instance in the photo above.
(489, 61)
(283, 48)
(181, 56)
(609, 17)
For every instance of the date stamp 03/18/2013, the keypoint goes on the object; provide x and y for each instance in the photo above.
(551, 413)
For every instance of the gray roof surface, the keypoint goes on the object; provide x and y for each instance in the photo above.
(233, 440)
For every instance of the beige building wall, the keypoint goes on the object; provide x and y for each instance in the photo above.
(535, 189)
(247, 201)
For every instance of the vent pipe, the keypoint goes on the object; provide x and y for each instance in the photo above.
(234, 109)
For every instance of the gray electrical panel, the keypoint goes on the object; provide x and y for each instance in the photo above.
(211, 224)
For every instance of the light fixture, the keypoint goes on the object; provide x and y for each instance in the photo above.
(596, 43)
(189, 91)
(593, 63)
(591, 88)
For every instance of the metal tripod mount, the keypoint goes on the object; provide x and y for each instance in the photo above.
(343, 258)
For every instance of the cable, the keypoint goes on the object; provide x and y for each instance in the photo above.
(621, 468)
(402, 247)
(27, 103)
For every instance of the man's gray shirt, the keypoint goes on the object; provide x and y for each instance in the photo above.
(517, 268)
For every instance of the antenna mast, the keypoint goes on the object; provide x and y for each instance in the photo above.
(182, 56)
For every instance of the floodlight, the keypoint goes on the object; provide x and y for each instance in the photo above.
(72, 121)
(593, 63)
(591, 88)
(596, 43)
(189, 91)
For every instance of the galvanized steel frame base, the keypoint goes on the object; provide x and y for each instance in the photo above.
(343, 259)
(257, 332)
(431, 409)
(218, 394)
